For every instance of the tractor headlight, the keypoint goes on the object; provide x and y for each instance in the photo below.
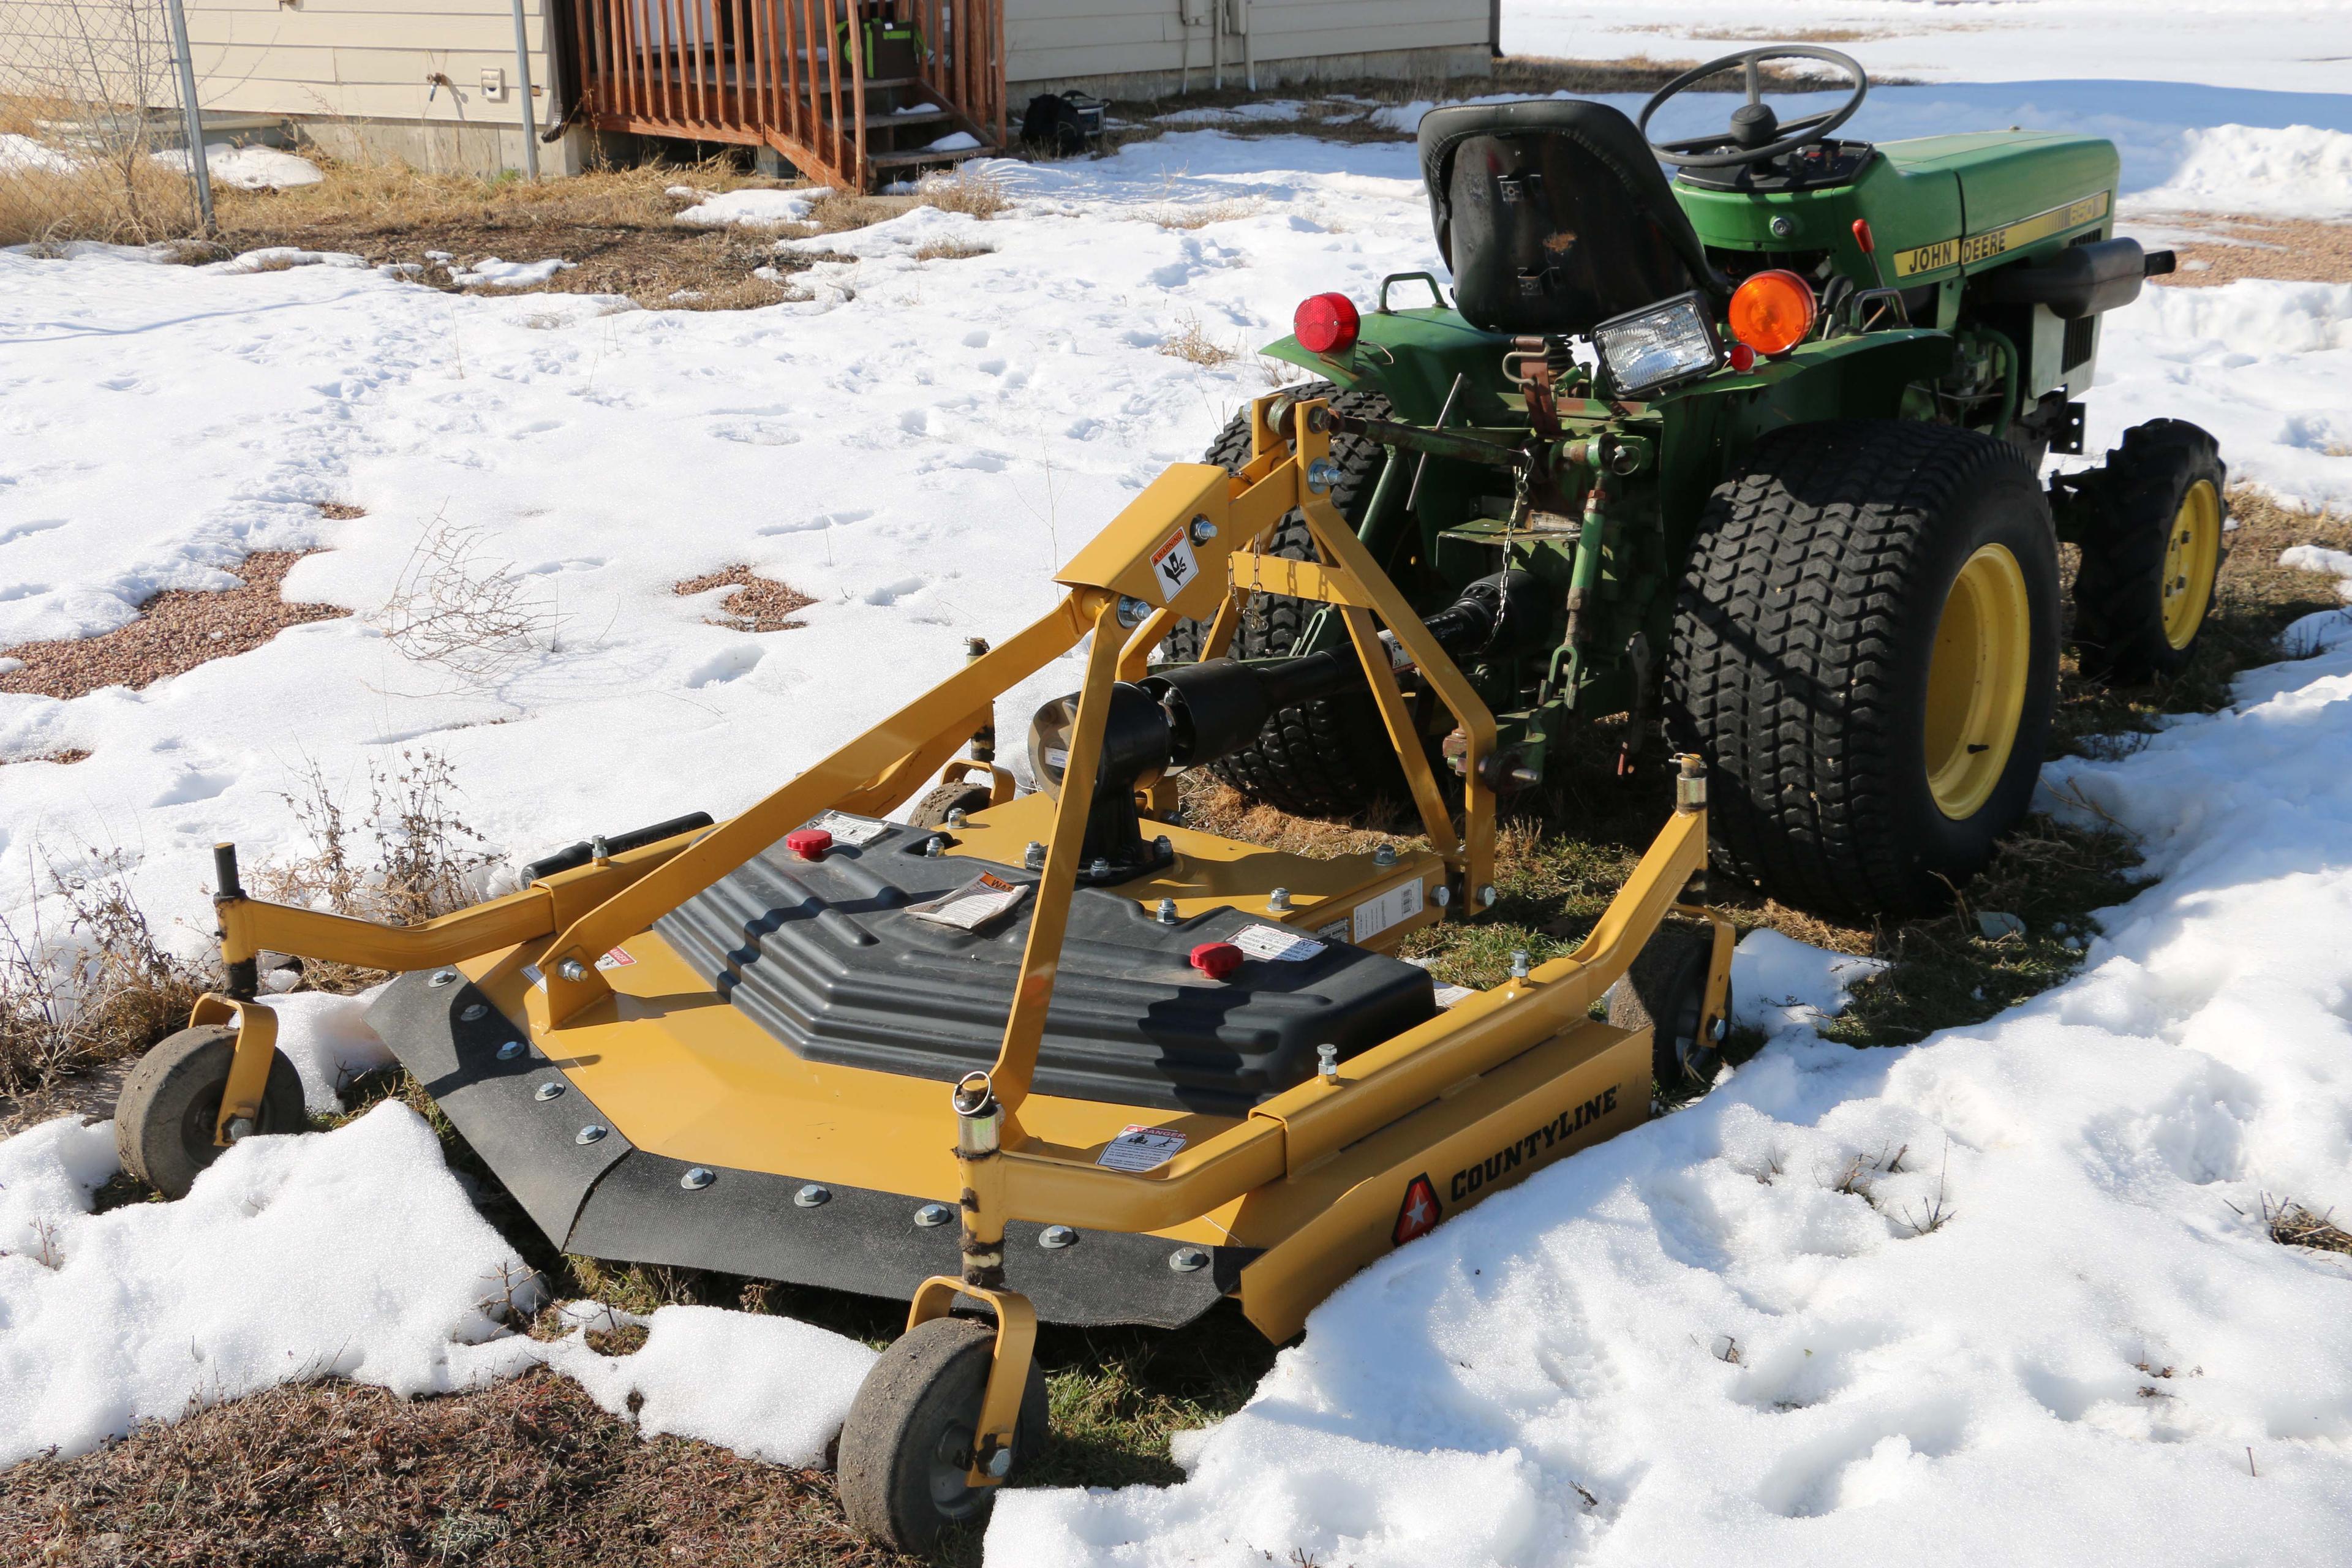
(1658, 344)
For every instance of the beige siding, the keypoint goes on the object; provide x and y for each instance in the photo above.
(1061, 39)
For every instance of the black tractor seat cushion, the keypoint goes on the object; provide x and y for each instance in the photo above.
(1554, 216)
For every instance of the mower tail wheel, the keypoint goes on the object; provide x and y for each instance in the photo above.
(1664, 991)
(164, 1115)
(931, 810)
(907, 1444)
(2152, 532)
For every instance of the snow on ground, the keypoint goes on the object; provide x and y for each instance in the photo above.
(1780, 986)
(353, 1253)
(249, 168)
(1728, 1365)
(758, 209)
(2298, 46)
(492, 273)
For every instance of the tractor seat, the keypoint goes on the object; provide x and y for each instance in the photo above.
(1554, 216)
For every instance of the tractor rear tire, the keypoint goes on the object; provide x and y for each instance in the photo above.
(906, 1442)
(1664, 991)
(1865, 654)
(2153, 521)
(163, 1118)
(1331, 757)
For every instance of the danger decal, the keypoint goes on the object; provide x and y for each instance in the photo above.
(1173, 565)
(1530, 1150)
(1419, 1213)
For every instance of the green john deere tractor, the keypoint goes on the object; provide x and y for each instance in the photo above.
(1758, 448)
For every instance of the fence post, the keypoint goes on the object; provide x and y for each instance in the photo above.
(185, 61)
(522, 72)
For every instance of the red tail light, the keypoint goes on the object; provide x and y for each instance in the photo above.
(1327, 324)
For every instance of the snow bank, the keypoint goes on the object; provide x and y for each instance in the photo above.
(2044, 1322)
(353, 1253)
(22, 154)
(1780, 984)
(756, 209)
(2297, 171)
(492, 273)
(248, 168)
(328, 1039)
(278, 258)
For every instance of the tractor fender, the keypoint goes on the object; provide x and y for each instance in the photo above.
(1861, 377)
(1412, 356)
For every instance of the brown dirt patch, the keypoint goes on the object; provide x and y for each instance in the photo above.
(525, 1474)
(63, 756)
(340, 511)
(757, 604)
(2295, 250)
(176, 630)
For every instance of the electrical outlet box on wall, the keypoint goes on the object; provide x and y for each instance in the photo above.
(1193, 13)
(1237, 15)
(494, 84)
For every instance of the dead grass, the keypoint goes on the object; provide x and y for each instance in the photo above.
(756, 604)
(177, 630)
(2298, 250)
(65, 756)
(101, 990)
(115, 192)
(1188, 216)
(340, 511)
(1192, 343)
(950, 250)
(2292, 1225)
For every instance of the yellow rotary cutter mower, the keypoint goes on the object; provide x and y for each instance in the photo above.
(1052, 1057)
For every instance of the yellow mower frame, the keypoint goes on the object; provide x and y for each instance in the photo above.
(1494, 1088)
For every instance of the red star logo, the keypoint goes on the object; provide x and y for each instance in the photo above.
(1420, 1212)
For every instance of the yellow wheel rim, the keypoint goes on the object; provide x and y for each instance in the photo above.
(2191, 558)
(1975, 680)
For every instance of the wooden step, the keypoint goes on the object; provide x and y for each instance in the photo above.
(906, 159)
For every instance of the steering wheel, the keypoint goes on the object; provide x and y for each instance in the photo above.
(1756, 135)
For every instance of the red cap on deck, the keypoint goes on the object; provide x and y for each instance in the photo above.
(1217, 959)
(808, 843)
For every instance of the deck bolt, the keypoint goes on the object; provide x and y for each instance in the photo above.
(697, 1179)
(590, 1134)
(1000, 1463)
(1203, 530)
(1722, 1027)
(471, 1012)
(934, 847)
(599, 851)
(572, 969)
(813, 1197)
(1384, 856)
(511, 1050)
(956, 817)
(1327, 1063)
(1486, 897)
(1321, 475)
(1189, 1260)
(932, 1215)
(1055, 1238)
(547, 1092)
(1168, 911)
(1278, 900)
(1099, 869)
(1132, 612)
(1441, 895)
(1164, 846)
(1782, 227)
(443, 977)
(1034, 856)
(239, 1127)
(1519, 965)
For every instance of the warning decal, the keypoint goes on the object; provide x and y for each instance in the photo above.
(1141, 1149)
(1173, 565)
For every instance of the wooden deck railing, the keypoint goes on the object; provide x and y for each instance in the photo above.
(786, 74)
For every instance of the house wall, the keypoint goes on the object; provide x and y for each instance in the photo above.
(1140, 48)
(332, 64)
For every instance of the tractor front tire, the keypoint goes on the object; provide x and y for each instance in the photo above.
(2152, 532)
(907, 1444)
(1332, 756)
(164, 1115)
(1865, 654)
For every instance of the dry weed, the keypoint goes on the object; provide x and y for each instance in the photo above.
(1200, 215)
(1193, 345)
(427, 860)
(2292, 1225)
(966, 190)
(950, 250)
(105, 989)
(456, 609)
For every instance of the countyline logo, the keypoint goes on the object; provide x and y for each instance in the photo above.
(1471, 1177)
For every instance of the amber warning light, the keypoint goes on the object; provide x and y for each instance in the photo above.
(1772, 312)
(1326, 324)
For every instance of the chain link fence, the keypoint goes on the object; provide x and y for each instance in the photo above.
(95, 127)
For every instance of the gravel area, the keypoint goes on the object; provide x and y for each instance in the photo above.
(176, 630)
(757, 604)
(2297, 250)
